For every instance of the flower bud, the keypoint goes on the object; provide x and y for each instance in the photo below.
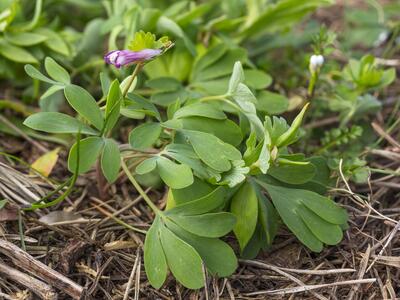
(121, 58)
(316, 62)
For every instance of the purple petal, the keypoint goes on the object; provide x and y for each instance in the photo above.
(120, 58)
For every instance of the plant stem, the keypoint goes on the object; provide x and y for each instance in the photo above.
(212, 98)
(139, 188)
(222, 98)
(311, 85)
(119, 221)
(133, 76)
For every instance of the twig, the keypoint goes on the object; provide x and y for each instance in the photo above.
(37, 268)
(298, 271)
(41, 289)
(132, 276)
(385, 135)
(306, 288)
(390, 238)
(361, 272)
(291, 277)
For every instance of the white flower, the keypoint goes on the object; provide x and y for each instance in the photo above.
(316, 62)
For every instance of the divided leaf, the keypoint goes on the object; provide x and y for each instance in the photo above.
(311, 226)
(217, 255)
(212, 151)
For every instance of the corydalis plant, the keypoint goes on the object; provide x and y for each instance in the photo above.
(222, 175)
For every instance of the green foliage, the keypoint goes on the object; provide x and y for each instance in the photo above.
(147, 40)
(25, 41)
(209, 132)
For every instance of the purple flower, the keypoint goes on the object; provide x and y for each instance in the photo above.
(121, 58)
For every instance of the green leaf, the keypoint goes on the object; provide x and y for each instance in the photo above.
(287, 209)
(217, 255)
(142, 40)
(113, 104)
(200, 110)
(202, 205)
(51, 91)
(176, 176)
(244, 206)
(196, 190)
(208, 68)
(206, 225)
(268, 217)
(272, 103)
(36, 74)
(293, 205)
(164, 84)
(185, 154)
(182, 259)
(110, 160)
(236, 77)
(147, 166)
(169, 26)
(16, 53)
(55, 71)
(90, 149)
(283, 14)
(24, 38)
(155, 262)
(84, 104)
(292, 174)
(235, 175)
(245, 99)
(220, 156)
(290, 135)
(54, 41)
(140, 104)
(54, 122)
(327, 233)
(226, 130)
(210, 57)
(105, 83)
(257, 79)
(145, 135)
(324, 207)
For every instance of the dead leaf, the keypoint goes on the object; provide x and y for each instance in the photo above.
(59, 216)
(45, 163)
(8, 211)
(119, 245)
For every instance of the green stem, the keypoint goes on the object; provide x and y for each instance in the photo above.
(212, 98)
(120, 222)
(222, 98)
(312, 83)
(133, 76)
(139, 188)
(72, 181)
